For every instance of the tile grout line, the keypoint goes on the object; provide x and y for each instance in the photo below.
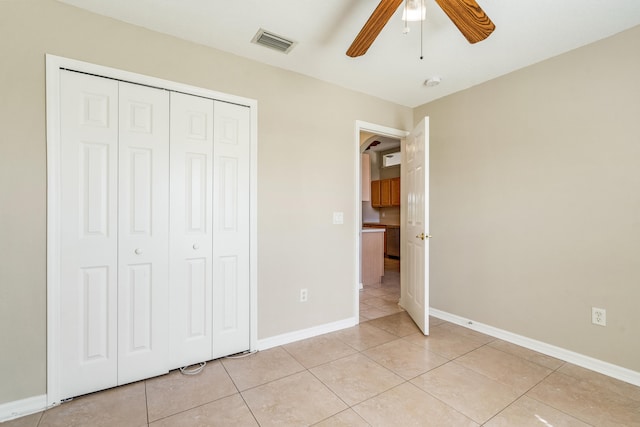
(359, 352)
(40, 418)
(404, 380)
(524, 394)
(238, 390)
(487, 344)
(146, 402)
(550, 404)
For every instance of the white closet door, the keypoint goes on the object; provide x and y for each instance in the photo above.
(231, 298)
(143, 232)
(191, 229)
(88, 233)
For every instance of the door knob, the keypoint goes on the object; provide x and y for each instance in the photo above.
(423, 236)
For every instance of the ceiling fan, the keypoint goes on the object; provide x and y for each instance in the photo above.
(470, 19)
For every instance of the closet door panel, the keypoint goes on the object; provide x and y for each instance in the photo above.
(143, 232)
(191, 229)
(88, 233)
(231, 298)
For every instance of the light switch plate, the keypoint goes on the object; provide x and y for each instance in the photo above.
(338, 217)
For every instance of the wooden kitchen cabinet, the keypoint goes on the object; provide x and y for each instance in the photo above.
(385, 193)
(395, 191)
(392, 241)
(375, 194)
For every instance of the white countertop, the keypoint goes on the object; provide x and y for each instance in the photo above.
(373, 230)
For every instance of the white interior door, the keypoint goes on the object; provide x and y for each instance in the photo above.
(88, 233)
(143, 232)
(415, 278)
(191, 229)
(231, 285)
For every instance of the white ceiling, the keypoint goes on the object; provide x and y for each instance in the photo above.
(527, 31)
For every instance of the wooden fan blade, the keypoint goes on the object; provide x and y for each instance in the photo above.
(470, 19)
(373, 26)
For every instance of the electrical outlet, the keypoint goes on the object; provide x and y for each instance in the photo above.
(598, 316)
(304, 295)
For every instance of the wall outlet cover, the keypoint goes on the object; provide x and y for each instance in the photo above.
(598, 316)
(338, 217)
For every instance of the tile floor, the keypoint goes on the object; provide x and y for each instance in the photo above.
(381, 299)
(383, 372)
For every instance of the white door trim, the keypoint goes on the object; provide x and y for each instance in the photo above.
(53, 66)
(380, 130)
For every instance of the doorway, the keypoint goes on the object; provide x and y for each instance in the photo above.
(377, 147)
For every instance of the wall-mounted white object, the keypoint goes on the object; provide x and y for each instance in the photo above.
(391, 159)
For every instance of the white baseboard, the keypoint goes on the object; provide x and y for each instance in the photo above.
(20, 408)
(302, 334)
(606, 368)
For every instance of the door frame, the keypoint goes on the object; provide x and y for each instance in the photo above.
(383, 131)
(53, 66)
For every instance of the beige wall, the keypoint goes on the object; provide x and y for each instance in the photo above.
(300, 120)
(535, 200)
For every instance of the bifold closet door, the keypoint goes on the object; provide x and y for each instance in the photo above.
(114, 205)
(210, 300)
(154, 224)
(88, 233)
(191, 230)
(143, 232)
(231, 291)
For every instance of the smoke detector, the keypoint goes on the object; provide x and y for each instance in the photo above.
(432, 81)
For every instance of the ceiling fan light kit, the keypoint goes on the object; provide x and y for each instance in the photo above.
(466, 15)
(414, 10)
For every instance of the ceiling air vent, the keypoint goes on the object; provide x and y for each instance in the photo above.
(273, 41)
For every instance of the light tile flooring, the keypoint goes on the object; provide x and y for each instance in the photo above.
(383, 372)
(381, 299)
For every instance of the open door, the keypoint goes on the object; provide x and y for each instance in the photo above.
(415, 228)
